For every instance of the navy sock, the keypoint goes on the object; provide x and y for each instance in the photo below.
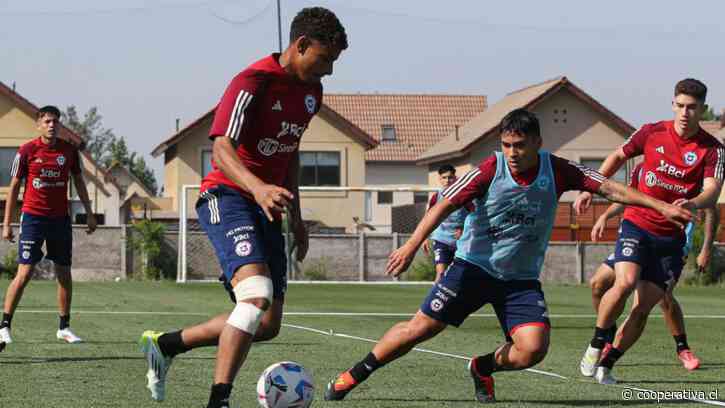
(362, 370)
(64, 322)
(484, 365)
(600, 338)
(611, 358)
(7, 320)
(681, 342)
(219, 397)
(171, 344)
(611, 333)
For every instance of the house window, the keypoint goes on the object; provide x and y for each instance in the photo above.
(620, 175)
(385, 197)
(368, 206)
(206, 167)
(388, 133)
(7, 155)
(319, 168)
(420, 197)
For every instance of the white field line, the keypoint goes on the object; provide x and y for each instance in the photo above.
(331, 314)
(531, 370)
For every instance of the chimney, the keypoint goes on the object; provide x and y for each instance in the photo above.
(177, 124)
(457, 132)
(13, 86)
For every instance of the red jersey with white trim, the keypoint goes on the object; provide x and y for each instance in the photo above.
(568, 176)
(264, 111)
(673, 168)
(46, 170)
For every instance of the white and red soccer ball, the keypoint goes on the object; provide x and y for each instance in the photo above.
(285, 385)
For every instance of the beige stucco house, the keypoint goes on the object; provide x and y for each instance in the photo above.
(404, 125)
(332, 153)
(18, 126)
(573, 125)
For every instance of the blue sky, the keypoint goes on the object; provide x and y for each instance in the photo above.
(146, 63)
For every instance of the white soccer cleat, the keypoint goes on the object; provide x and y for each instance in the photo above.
(68, 336)
(604, 376)
(158, 364)
(5, 338)
(590, 361)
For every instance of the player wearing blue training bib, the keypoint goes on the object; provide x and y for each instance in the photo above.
(498, 259)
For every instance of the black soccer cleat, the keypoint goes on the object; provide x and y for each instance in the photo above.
(483, 385)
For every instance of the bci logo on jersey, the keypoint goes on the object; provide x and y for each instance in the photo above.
(50, 173)
(671, 170)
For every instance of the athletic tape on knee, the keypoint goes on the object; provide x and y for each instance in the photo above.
(246, 316)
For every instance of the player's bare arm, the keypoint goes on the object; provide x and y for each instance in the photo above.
(301, 237)
(712, 220)
(400, 259)
(612, 211)
(80, 185)
(617, 192)
(707, 198)
(268, 196)
(611, 164)
(10, 208)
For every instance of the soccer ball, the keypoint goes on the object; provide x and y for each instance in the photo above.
(285, 385)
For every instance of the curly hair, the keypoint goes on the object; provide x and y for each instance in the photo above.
(319, 24)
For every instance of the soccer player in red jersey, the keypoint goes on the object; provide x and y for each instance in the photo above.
(604, 277)
(46, 164)
(256, 133)
(682, 165)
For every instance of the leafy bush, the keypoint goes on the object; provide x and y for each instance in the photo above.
(148, 239)
(422, 269)
(316, 269)
(9, 263)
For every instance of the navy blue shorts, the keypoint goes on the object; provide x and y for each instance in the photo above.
(241, 234)
(57, 234)
(661, 258)
(465, 288)
(443, 253)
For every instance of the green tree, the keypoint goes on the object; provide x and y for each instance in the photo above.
(91, 130)
(105, 147)
(710, 114)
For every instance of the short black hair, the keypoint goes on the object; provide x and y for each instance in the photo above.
(522, 122)
(48, 109)
(693, 88)
(321, 24)
(446, 168)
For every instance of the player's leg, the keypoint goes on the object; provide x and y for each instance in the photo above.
(648, 294)
(59, 243)
(253, 291)
(442, 257)
(674, 318)
(522, 313)
(600, 282)
(30, 241)
(449, 301)
(631, 251)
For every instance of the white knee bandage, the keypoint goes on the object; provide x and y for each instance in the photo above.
(246, 316)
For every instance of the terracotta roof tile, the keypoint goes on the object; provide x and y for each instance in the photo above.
(420, 121)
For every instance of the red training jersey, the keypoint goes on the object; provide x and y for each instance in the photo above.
(45, 169)
(264, 110)
(567, 174)
(673, 168)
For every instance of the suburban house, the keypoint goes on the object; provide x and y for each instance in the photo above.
(573, 125)
(137, 201)
(405, 126)
(332, 153)
(18, 126)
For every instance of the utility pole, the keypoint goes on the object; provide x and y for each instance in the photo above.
(279, 26)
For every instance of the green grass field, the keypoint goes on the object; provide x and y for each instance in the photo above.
(109, 371)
